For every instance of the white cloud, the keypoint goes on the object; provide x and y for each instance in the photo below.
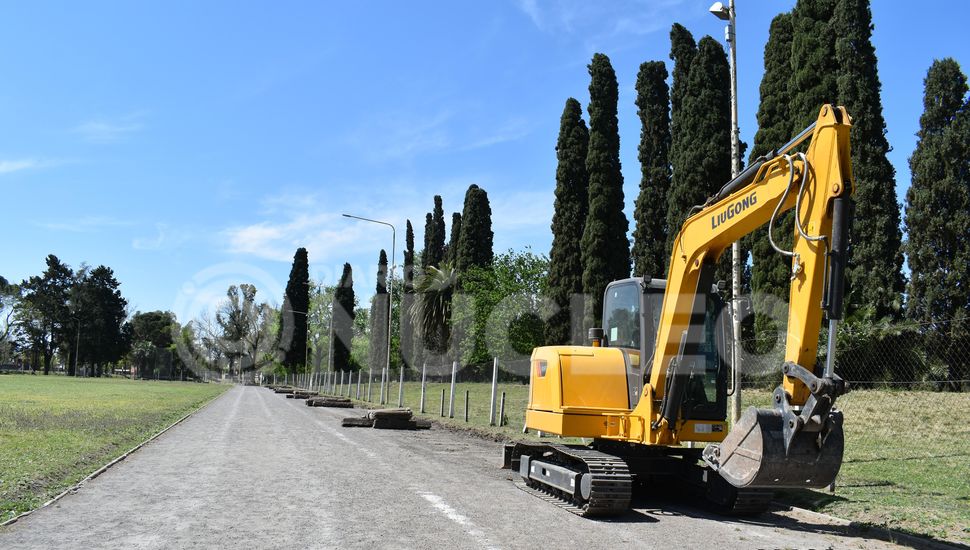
(165, 238)
(8, 166)
(102, 130)
(402, 136)
(331, 239)
(615, 18)
(86, 224)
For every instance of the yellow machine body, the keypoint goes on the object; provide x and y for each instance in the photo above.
(582, 391)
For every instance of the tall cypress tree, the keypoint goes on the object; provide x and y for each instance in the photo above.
(814, 69)
(436, 252)
(875, 279)
(407, 299)
(378, 316)
(683, 49)
(770, 271)
(428, 237)
(650, 253)
(343, 320)
(452, 249)
(605, 246)
(701, 168)
(293, 321)
(568, 221)
(475, 240)
(938, 205)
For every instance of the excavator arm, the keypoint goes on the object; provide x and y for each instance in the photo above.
(799, 441)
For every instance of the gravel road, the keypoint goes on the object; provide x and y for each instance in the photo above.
(256, 470)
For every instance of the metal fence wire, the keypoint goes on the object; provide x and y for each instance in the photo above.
(909, 390)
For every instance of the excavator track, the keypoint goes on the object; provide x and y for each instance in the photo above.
(611, 484)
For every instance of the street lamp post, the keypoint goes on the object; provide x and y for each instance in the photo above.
(390, 298)
(730, 35)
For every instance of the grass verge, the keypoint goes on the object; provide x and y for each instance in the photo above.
(55, 430)
(906, 456)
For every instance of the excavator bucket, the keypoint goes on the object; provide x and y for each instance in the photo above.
(753, 454)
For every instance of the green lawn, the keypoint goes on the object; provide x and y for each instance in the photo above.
(907, 461)
(56, 430)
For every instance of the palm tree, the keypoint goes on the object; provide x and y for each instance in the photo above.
(431, 310)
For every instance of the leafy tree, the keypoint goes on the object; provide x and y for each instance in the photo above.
(605, 248)
(938, 218)
(360, 349)
(321, 308)
(9, 295)
(702, 156)
(245, 329)
(875, 280)
(650, 252)
(568, 221)
(406, 298)
(506, 305)
(293, 318)
(452, 250)
(102, 312)
(154, 327)
(379, 316)
(475, 240)
(44, 315)
(343, 320)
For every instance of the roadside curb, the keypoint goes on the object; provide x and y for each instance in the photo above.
(881, 533)
(103, 469)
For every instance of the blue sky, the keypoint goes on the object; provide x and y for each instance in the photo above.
(190, 145)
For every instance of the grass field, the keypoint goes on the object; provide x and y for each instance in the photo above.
(56, 430)
(907, 460)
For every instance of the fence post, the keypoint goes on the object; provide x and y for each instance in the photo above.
(491, 401)
(424, 370)
(501, 412)
(357, 395)
(442, 409)
(400, 389)
(370, 378)
(351, 383)
(466, 405)
(451, 396)
(382, 387)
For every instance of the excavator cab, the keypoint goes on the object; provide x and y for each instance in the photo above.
(631, 317)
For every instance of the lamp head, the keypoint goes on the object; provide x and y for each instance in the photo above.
(720, 11)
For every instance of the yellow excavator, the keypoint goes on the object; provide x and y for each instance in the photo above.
(653, 383)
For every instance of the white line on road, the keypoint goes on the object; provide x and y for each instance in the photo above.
(452, 514)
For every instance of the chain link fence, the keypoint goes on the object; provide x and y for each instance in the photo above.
(908, 406)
